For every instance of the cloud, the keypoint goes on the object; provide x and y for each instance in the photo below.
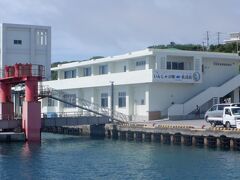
(81, 29)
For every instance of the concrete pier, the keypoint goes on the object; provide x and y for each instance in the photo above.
(12, 137)
(180, 135)
(83, 130)
(227, 139)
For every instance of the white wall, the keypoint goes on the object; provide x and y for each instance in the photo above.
(132, 77)
(140, 94)
(119, 66)
(163, 94)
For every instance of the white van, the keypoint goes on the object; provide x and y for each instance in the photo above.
(215, 114)
(230, 115)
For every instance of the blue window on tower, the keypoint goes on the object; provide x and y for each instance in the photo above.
(17, 42)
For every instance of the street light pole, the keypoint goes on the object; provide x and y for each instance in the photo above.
(112, 100)
(237, 46)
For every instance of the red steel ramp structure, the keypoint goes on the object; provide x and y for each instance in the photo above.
(29, 75)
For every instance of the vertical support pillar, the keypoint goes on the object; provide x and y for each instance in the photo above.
(236, 95)
(112, 101)
(7, 108)
(31, 116)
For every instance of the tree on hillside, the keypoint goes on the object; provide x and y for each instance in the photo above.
(226, 48)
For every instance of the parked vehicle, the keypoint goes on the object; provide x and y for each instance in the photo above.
(215, 114)
(50, 115)
(230, 115)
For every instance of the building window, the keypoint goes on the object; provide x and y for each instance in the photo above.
(140, 63)
(70, 98)
(41, 37)
(125, 68)
(175, 65)
(104, 100)
(87, 71)
(122, 99)
(169, 65)
(103, 69)
(181, 66)
(17, 42)
(51, 102)
(142, 102)
(69, 74)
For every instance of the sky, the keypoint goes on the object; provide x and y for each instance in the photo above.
(82, 29)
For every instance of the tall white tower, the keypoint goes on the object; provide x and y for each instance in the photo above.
(26, 44)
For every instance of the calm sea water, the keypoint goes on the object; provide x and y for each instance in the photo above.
(69, 157)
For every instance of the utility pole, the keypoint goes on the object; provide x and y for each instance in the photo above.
(112, 100)
(207, 40)
(218, 36)
(237, 46)
(203, 46)
(237, 42)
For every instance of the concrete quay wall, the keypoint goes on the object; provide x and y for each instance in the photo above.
(12, 137)
(173, 135)
(177, 135)
(82, 130)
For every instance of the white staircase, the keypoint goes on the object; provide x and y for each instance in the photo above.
(203, 97)
(46, 91)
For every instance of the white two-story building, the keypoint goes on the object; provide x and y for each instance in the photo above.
(149, 84)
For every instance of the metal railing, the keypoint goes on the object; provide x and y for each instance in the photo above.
(23, 70)
(9, 117)
(46, 91)
(61, 114)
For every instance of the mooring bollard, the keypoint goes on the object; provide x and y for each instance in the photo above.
(138, 136)
(123, 135)
(177, 139)
(199, 141)
(211, 142)
(187, 140)
(60, 130)
(236, 144)
(157, 137)
(166, 138)
(130, 136)
(80, 131)
(114, 134)
(109, 133)
(147, 137)
(76, 132)
(224, 142)
(54, 130)
(65, 130)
